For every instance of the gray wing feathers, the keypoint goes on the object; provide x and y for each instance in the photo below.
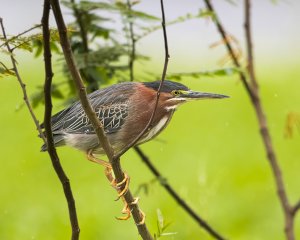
(112, 111)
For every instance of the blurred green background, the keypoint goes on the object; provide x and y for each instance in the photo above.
(211, 153)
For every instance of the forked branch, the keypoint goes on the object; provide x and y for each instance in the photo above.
(202, 223)
(253, 92)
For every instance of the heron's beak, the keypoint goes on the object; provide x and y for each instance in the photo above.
(192, 95)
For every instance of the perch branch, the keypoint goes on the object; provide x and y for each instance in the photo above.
(115, 161)
(47, 123)
(253, 93)
(176, 197)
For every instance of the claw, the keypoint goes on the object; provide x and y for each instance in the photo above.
(126, 211)
(126, 180)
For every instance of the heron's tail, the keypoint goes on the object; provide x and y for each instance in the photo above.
(58, 141)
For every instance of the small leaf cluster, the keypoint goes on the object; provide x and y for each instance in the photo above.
(162, 226)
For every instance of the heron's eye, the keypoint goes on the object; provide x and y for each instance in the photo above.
(176, 92)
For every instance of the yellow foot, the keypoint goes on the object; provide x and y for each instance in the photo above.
(125, 210)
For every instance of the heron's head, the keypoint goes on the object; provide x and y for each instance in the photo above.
(173, 93)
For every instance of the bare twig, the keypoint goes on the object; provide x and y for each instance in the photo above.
(22, 84)
(253, 93)
(47, 123)
(78, 13)
(133, 41)
(82, 30)
(176, 197)
(296, 208)
(115, 161)
(229, 48)
(281, 191)
(166, 61)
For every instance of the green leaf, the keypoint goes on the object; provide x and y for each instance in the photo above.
(222, 72)
(4, 71)
(89, 6)
(207, 13)
(168, 234)
(160, 218)
(56, 93)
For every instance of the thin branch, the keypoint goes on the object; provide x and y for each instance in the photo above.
(47, 123)
(166, 61)
(82, 30)
(230, 49)
(296, 208)
(248, 33)
(262, 121)
(22, 84)
(20, 34)
(133, 41)
(115, 161)
(281, 191)
(202, 223)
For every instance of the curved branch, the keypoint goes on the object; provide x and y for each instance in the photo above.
(176, 197)
(47, 123)
(253, 93)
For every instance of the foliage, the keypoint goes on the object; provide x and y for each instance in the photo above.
(221, 72)
(292, 122)
(162, 226)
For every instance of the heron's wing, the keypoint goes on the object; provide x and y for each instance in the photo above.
(110, 108)
(112, 117)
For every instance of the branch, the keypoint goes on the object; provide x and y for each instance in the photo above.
(262, 121)
(281, 191)
(82, 30)
(167, 56)
(296, 208)
(133, 41)
(22, 84)
(176, 197)
(114, 160)
(47, 123)
(230, 49)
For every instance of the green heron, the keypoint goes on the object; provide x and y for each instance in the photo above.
(124, 110)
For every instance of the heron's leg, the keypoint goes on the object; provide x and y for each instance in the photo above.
(112, 180)
(107, 165)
